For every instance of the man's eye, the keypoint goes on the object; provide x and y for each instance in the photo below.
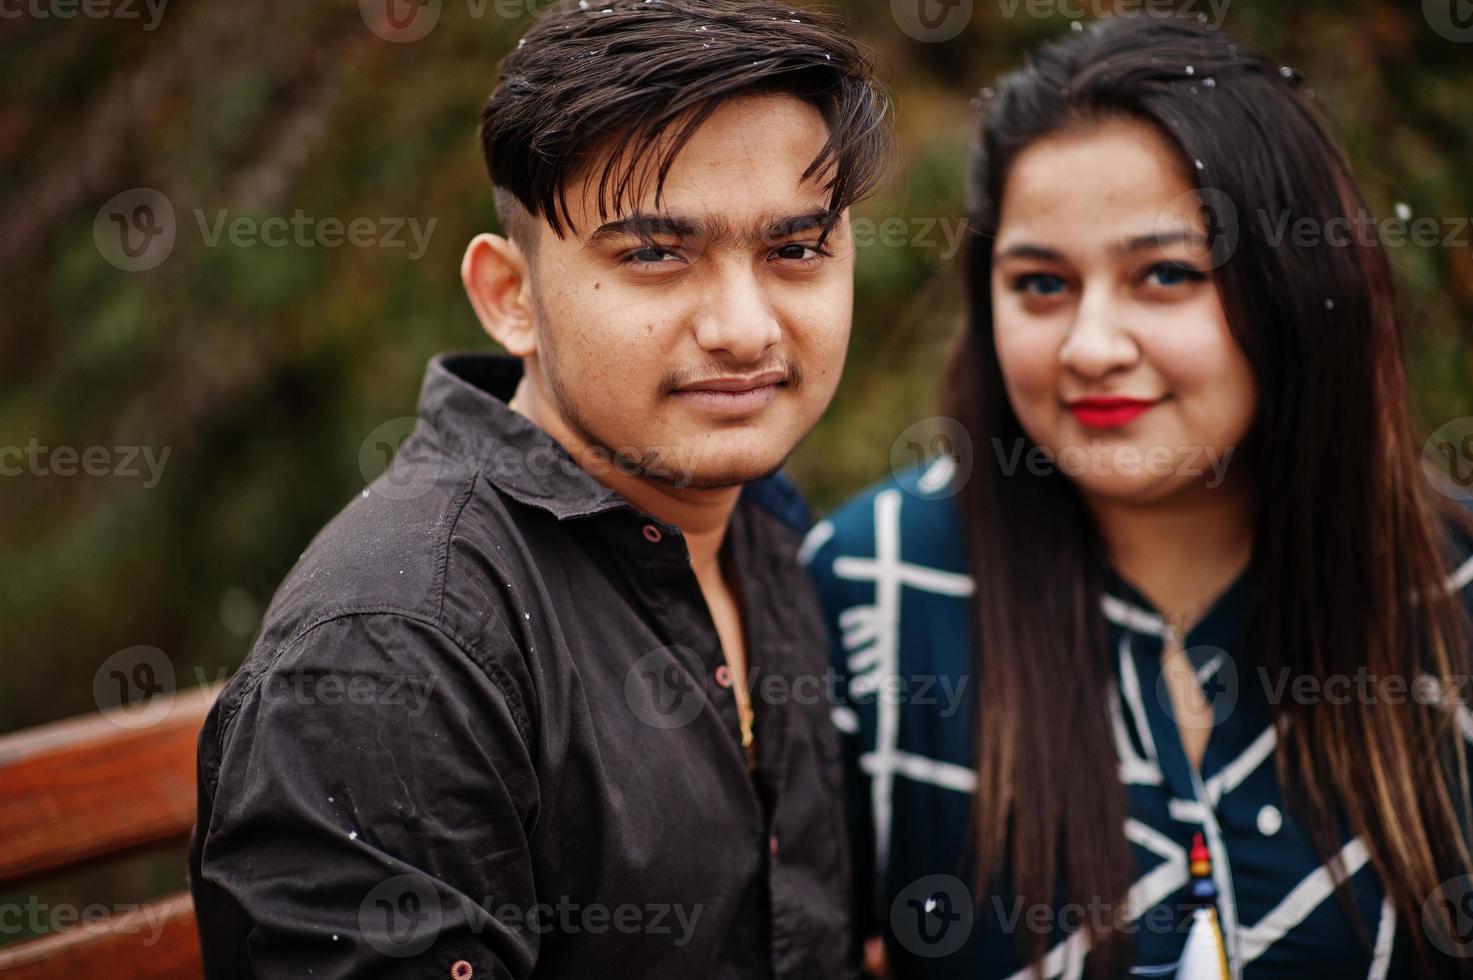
(650, 255)
(799, 252)
(1039, 284)
(1173, 274)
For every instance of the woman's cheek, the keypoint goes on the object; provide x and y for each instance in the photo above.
(1234, 404)
(1030, 365)
(1213, 389)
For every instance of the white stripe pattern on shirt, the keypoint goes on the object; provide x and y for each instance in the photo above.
(871, 637)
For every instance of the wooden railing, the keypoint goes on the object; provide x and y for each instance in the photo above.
(86, 789)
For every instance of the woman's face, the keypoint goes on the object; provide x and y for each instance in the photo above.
(1108, 324)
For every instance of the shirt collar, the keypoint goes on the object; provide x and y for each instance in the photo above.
(1219, 627)
(464, 401)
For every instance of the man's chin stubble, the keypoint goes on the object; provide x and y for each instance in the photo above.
(723, 480)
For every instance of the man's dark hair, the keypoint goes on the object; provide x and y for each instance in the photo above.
(608, 79)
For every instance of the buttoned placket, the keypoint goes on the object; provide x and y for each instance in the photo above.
(666, 545)
(1143, 643)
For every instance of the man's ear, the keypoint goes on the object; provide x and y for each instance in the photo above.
(498, 281)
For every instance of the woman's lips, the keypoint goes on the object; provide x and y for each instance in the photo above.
(1109, 413)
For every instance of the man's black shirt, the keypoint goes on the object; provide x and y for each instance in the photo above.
(486, 731)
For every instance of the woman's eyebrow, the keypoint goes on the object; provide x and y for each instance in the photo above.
(1141, 243)
(1028, 250)
(1127, 246)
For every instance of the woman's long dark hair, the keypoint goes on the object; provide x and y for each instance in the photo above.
(1346, 530)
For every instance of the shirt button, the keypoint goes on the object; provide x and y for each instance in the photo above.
(652, 534)
(723, 675)
(1270, 820)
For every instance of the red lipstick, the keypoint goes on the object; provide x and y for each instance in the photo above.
(1108, 413)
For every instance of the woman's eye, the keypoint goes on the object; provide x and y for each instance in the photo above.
(1039, 284)
(1173, 274)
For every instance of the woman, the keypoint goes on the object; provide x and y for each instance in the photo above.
(1190, 581)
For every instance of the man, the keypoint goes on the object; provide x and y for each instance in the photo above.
(498, 719)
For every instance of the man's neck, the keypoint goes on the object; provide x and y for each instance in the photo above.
(701, 514)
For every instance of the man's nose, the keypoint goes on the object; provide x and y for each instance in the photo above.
(738, 318)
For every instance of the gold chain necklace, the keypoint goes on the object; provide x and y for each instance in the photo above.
(746, 719)
(1179, 624)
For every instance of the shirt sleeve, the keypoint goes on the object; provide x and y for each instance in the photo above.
(849, 724)
(370, 815)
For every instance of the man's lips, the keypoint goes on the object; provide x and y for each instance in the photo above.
(1110, 413)
(735, 383)
(731, 395)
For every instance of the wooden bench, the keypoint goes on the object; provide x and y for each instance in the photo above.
(78, 791)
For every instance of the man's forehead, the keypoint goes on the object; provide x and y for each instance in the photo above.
(703, 182)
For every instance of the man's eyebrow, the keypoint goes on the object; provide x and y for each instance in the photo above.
(1136, 243)
(646, 227)
(818, 218)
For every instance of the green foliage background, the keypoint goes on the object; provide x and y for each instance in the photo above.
(263, 369)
